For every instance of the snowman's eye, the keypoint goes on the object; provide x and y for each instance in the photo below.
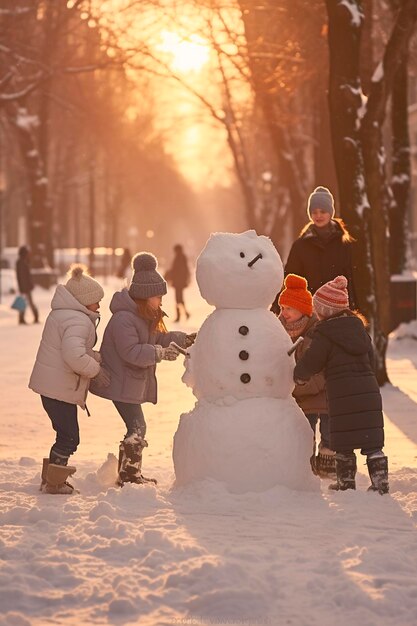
(242, 254)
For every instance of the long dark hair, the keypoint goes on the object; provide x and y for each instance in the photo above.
(156, 317)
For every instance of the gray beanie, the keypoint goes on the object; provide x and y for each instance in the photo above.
(146, 281)
(321, 198)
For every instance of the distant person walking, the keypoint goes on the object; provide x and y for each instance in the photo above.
(124, 267)
(323, 249)
(179, 277)
(25, 283)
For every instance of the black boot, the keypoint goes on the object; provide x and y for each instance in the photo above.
(378, 473)
(130, 461)
(345, 472)
(177, 319)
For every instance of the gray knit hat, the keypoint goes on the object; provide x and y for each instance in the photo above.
(146, 281)
(321, 198)
(84, 288)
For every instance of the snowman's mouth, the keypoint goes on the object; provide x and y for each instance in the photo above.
(259, 256)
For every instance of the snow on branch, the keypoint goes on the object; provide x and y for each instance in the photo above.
(26, 121)
(354, 10)
(378, 75)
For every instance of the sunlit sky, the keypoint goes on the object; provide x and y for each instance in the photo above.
(187, 55)
(198, 145)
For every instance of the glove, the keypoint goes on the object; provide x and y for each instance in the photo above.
(166, 354)
(95, 355)
(103, 378)
(189, 339)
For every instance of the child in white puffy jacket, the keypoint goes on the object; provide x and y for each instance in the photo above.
(65, 364)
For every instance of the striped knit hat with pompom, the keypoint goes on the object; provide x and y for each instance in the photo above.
(331, 298)
(146, 281)
(296, 295)
(84, 288)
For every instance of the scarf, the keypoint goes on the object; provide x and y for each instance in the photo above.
(295, 329)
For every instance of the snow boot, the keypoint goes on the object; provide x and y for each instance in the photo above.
(130, 461)
(378, 473)
(326, 463)
(56, 479)
(345, 472)
(45, 463)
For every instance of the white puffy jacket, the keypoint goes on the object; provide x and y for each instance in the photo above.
(65, 360)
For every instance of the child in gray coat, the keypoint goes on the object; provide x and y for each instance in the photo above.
(134, 341)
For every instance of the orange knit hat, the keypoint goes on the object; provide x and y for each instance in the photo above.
(296, 295)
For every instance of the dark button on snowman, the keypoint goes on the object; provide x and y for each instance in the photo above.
(241, 374)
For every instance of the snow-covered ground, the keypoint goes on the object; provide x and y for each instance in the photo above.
(199, 555)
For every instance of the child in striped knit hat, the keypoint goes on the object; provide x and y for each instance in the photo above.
(298, 319)
(342, 348)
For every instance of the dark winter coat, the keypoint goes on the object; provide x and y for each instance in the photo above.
(310, 397)
(128, 353)
(179, 274)
(321, 259)
(23, 275)
(342, 347)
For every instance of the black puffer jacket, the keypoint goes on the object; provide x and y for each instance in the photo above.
(342, 347)
(321, 259)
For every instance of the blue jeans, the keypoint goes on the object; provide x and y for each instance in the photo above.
(324, 425)
(63, 416)
(133, 417)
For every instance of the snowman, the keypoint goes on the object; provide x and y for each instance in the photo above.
(245, 430)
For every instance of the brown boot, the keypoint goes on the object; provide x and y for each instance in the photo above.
(56, 479)
(45, 463)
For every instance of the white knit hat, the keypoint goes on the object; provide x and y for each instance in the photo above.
(84, 288)
(332, 297)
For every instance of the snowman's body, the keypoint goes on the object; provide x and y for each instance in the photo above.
(246, 429)
(240, 354)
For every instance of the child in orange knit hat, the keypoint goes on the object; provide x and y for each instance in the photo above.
(298, 319)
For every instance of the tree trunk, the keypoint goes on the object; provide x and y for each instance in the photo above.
(345, 102)
(401, 171)
(260, 28)
(24, 125)
(374, 158)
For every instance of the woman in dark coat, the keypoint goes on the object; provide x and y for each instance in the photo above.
(25, 283)
(323, 249)
(179, 277)
(342, 347)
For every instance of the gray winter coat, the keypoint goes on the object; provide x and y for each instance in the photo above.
(128, 353)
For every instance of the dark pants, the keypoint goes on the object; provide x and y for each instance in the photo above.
(179, 295)
(63, 416)
(35, 312)
(133, 417)
(324, 425)
(368, 452)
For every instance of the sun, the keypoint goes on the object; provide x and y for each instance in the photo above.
(188, 54)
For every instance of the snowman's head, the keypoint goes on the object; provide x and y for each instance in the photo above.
(239, 271)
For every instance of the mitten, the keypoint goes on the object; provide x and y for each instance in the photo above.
(95, 355)
(103, 378)
(189, 339)
(166, 354)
